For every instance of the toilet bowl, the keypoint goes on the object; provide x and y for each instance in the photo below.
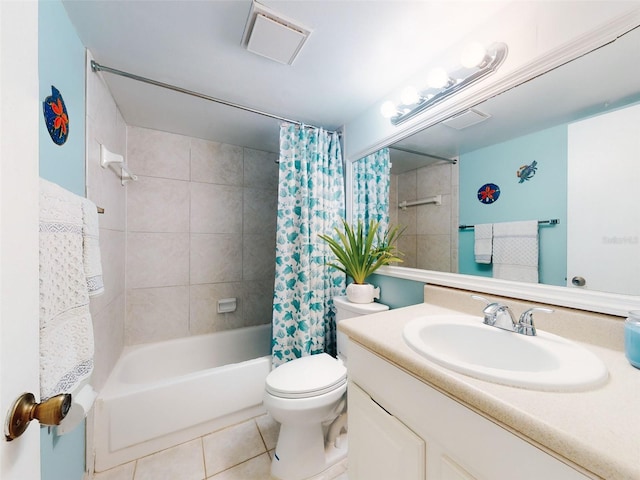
(307, 396)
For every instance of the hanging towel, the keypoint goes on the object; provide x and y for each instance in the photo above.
(515, 251)
(91, 248)
(483, 245)
(66, 330)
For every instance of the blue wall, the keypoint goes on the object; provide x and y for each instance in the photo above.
(61, 60)
(398, 292)
(542, 197)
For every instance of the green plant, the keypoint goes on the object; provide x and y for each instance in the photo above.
(360, 255)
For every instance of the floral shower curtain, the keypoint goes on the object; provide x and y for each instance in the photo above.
(371, 176)
(310, 202)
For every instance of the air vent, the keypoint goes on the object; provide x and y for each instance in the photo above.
(272, 36)
(466, 119)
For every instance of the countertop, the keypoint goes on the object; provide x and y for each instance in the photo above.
(598, 430)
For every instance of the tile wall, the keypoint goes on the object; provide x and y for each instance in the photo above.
(430, 240)
(201, 225)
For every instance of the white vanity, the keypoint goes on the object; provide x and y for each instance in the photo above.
(410, 418)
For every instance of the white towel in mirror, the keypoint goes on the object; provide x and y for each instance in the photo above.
(515, 251)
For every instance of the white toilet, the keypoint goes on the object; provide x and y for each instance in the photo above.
(308, 397)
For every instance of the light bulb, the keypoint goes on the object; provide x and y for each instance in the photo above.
(473, 55)
(388, 109)
(410, 96)
(438, 78)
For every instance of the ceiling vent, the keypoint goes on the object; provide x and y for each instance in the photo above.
(270, 35)
(466, 119)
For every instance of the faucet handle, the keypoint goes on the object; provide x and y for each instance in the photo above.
(526, 325)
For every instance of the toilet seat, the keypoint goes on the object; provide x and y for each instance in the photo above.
(306, 377)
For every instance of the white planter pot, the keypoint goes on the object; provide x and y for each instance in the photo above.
(364, 293)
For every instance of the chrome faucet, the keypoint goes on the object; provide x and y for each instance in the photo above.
(500, 316)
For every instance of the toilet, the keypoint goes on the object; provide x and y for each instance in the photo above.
(307, 396)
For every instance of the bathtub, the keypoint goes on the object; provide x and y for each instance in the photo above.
(162, 394)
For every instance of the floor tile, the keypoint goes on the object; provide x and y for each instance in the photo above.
(257, 468)
(231, 446)
(269, 429)
(123, 472)
(183, 462)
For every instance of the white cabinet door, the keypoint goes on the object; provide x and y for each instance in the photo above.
(380, 446)
(603, 220)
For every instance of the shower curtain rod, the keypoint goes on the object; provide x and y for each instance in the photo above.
(96, 67)
(422, 154)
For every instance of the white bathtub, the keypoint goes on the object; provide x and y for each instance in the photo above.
(166, 393)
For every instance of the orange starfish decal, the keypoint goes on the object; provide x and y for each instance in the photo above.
(61, 121)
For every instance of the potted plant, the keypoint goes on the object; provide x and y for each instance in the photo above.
(359, 255)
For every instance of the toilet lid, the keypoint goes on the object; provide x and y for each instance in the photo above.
(307, 377)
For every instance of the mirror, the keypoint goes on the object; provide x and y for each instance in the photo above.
(530, 122)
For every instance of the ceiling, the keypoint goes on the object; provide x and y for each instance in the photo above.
(358, 52)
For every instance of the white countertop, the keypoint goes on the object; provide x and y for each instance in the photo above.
(598, 430)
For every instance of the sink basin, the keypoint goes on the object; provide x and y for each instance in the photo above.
(466, 345)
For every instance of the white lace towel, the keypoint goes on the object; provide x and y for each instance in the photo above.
(483, 245)
(66, 331)
(91, 248)
(515, 251)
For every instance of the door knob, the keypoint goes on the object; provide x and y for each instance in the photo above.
(25, 408)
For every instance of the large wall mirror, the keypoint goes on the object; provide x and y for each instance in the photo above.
(525, 141)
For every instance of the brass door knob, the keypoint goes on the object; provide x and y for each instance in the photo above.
(25, 408)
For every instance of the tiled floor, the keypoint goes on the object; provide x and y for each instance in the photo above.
(240, 452)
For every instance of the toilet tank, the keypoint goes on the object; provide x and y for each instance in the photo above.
(346, 309)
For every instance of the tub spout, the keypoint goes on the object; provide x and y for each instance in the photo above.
(339, 424)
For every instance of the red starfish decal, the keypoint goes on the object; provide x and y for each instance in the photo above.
(61, 118)
(487, 193)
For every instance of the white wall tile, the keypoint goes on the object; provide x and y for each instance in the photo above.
(215, 258)
(216, 208)
(259, 211)
(214, 162)
(112, 255)
(434, 219)
(157, 205)
(108, 332)
(156, 314)
(258, 301)
(434, 180)
(258, 256)
(158, 154)
(260, 169)
(157, 259)
(434, 252)
(203, 310)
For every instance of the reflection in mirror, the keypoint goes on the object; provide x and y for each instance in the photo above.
(497, 143)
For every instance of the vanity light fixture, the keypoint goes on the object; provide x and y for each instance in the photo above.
(477, 62)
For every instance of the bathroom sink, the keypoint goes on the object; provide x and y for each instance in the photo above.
(463, 343)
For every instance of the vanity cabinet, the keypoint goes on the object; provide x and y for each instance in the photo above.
(402, 428)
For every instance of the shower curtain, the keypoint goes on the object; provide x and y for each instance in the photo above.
(371, 176)
(310, 202)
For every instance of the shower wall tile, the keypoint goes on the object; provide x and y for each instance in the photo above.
(434, 252)
(158, 154)
(258, 256)
(112, 255)
(260, 169)
(156, 314)
(259, 211)
(204, 316)
(407, 186)
(158, 205)
(157, 259)
(108, 332)
(206, 225)
(434, 180)
(434, 219)
(258, 301)
(214, 162)
(216, 208)
(215, 258)
(407, 245)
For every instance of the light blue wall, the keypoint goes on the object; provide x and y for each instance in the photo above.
(61, 61)
(398, 292)
(541, 198)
